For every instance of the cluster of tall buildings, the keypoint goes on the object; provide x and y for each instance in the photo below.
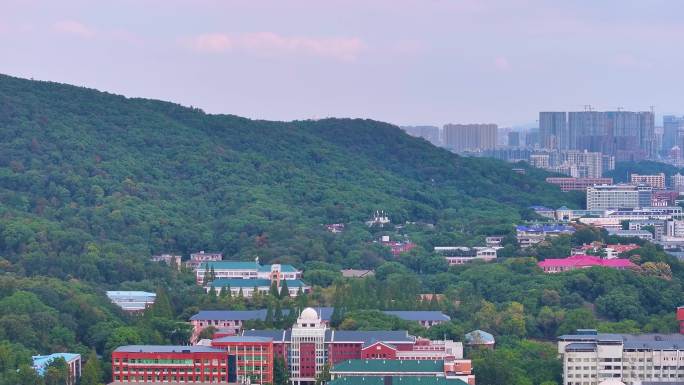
(458, 137)
(626, 135)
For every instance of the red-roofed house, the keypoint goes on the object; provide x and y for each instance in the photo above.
(582, 262)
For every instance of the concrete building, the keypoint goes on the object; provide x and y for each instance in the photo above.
(618, 196)
(73, 361)
(132, 301)
(247, 287)
(577, 184)
(656, 181)
(513, 139)
(473, 137)
(553, 130)
(673, 127)
(197, 259)
(589, 358)
(641, 234)
(677, 182)
(171, 260)
(253, 357)
(245, 270)
(531, 235)
(459, 255)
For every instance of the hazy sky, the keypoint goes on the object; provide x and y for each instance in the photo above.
(406, 62)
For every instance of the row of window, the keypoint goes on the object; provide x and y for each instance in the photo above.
(169, 378)
(166, 370)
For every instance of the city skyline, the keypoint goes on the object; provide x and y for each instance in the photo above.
(310, 60)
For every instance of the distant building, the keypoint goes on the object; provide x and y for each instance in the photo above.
(577, 184)
(544, 211)
(656, 181)
(250, 286)
(657, 224)
(618, 196)
(559, 265)
(514, 139)
(198, 258)
(531, 235)
(335, 227)
(462, 137)
(459, 255)
(354, 273)
(634, 359)
(673, 127)
(494, 240)
(171, 260)
(680, 319)
(480, 339)
(424, 317)
(429, 133)
(397, 247)
(677, 182)
(553, 130)
(132, 301)
(380, 218)
(246, 270)
(73, 361)
(641, 234)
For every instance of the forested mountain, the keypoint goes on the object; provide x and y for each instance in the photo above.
(93, 183)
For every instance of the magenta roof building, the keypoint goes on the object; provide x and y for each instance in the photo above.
(582, 262)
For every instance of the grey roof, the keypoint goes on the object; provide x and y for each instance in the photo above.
(369, 337)
(630, 341)
(581, 346)
(251, 315)
(276, 335)
(167, 349)
(419, 315)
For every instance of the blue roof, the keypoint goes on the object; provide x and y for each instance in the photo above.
(540, 208)
(236, 315)
(283, 268)
(129, 294)
(275, 335)
(546, 228)
(419, 315)
(167, 349)
(372, 336)
(40, 363)
(479, 337)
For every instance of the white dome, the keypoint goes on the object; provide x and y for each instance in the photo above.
(309, 314)
(611, 381)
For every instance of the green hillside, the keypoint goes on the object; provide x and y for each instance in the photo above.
(125, 178)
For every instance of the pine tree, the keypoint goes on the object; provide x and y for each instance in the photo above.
(273, 291)
(301, 299)
(269, 315)
(212, 273)
(207, 276)
(92, 370)
(162, 305)
(278, 316)
(284, 290)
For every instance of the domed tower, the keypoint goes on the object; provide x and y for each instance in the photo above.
(307, 354)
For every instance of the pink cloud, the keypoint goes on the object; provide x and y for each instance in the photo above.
(501, 63)
(74, 28)
(269, 43)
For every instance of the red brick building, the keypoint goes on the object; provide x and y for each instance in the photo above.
(253, 357)
(164, 364)
(680, 318)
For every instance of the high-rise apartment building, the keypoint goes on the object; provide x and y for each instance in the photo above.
(514, 139)
(553, 130)
(618, 196)
(677, 182)
(672, 127)
(627, 135)
(429, 133)
(470, 137)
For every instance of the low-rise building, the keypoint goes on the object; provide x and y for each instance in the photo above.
(198, 258)
(544, 211)
(531, 235)
(253, 357)
(73, 362)
(425, 318)
(657, 181)
(559, 265)
(656, 224)
(247, 287)
(171, 260)
(641, 234)
(415, 369)
(618, 196)
(354, 273)
(245, 270)
(458, 255)
(577, 184)
(680, 319)
(172, 364)
(480, 339)
(132, 301)
(397, 247)
(590, 358)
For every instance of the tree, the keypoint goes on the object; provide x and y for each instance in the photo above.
(92, 370)
(284, 290)
(281, 373)
(162, 305)
(57, 372)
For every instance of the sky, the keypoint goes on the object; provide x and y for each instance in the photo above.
(401, 61)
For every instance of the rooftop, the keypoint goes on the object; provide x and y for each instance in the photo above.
(243, 265)
(418, 315)
(129, 294)
(396, 380)
(579, 261)
(630, 341)
(41, 362)
(389, 366)
(167, 349)
(243, 339)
